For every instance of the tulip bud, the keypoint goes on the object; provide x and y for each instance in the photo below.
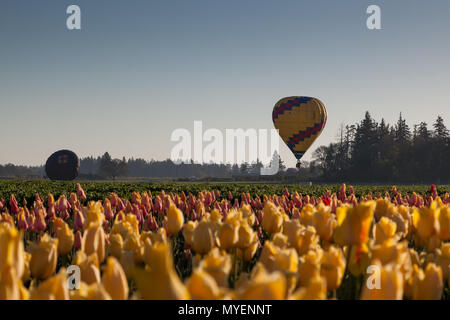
(245, 236)
(89, 267)
(354, 223)
(161, 280)
(114, 280)
(315, 290)
(218, 264)
(54, 288)
(188, 231)
(228, 236)
(44, 257)
(77, 244)
(202, 286)
(272, 219)
(65, 239)
(264, 286)
(115, 245)
(333, 267)
(94, 241)
(203, 239)
(175, 219)
(39, 222)
(94, 291)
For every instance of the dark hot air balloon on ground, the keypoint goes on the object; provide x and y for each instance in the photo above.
(62, 165)
(300, 121)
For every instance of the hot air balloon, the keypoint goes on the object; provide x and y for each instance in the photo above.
(62, 165)
(299, 120)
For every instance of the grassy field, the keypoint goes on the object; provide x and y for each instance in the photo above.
(99, 190)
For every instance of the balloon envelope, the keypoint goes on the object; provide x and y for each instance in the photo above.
(62, 165)
(300, 121)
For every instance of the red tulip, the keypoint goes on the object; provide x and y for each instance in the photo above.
(13, 205)
(78, 220)
(80, 193)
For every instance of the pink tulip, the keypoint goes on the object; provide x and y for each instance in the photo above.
(78, 220)
(80, 193)
(22, 221)
(77, 241)
(39, 222)
(13, 205)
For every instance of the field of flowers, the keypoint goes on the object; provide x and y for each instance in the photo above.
(224, 241)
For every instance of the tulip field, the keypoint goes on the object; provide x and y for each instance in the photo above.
(223, 241)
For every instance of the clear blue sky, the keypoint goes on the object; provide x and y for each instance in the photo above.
(140, 69)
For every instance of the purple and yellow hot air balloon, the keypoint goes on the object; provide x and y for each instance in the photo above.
(300, 121)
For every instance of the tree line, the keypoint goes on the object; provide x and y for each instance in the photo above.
(366, 152)
(371, 152)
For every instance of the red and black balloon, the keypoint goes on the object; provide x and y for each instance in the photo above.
(62, 165)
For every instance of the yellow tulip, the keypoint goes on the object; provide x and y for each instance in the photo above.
(427, 285)
(11, 250)
(307, 240)
(114, 280)
(228, 235)
(268, 256)
(175, 219)
(9, 284)
(402, 224)
(89, 267)
(115, 245)
(272, 218)
(129, 224)
(444, 223)
(397, 253)
(250, 251)
(359, 259)
(315, 290)
(291, 228)
(65, 239)
(425, 221)
(264, 286)
(384, 229)
(286, 261)
(54, 288)
(247, 214)
(324, 222)
(307, 214)
(160, 281)
(386, 284)
(44, 256)
(24, 294)
(202, 286)
(94, 241)
(333, 267)
(159, 236)
(354, 224)
(443, 260)
(94, 291)
(309, 267)
(218, 264)
(132, 243)
(246, 235)
(26, 271)
(203, 239)
(382, 207)
(127, 263)
(94, 213)
(280, 240)
(188, 231)
(415, 257)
